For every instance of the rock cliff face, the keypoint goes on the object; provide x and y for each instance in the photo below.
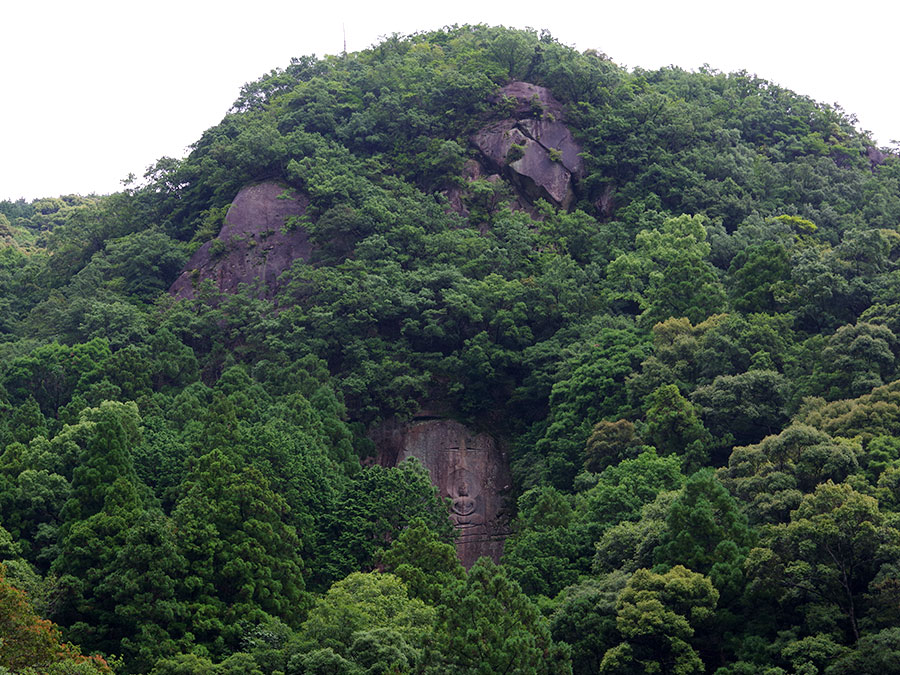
(253, 245)
(468, 468)
(533, 148)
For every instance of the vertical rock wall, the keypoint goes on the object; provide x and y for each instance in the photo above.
(468, 468)
(255, 245)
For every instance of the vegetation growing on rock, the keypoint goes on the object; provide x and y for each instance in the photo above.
(689, 356)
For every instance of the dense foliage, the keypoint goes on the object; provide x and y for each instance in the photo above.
(695, 369)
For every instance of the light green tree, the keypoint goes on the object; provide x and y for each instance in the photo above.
(657, 617)
(668, 274)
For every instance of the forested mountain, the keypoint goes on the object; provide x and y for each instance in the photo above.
(666, 299)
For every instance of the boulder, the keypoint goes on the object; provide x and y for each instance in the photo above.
(533, 149)
(875, 156)
(539, 177)
(496, 140)
(255, 245)
(458, 196)
(556, 135)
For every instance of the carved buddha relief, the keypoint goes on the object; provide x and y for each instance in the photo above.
(470, 470)
(465, 508)
(465, 486)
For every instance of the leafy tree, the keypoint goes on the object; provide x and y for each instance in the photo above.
(107, 437)
(874, 414)
(105, 499)
(691, 355)
(585, 618)
(487, 623)
(174, 363)
(146, 262)
(33, 504)
(824, 297)
(672, 425)
(25, 423)
(876, 653)
(657, 616)
(609, 444)
(827, 555)
(770, 478)
(344, 618)
(185, 664)
(374, 510)
(51, 374)
(243, 558)
(383, 650)
(322, 662)
(548, 549)
(706, 532)
(142, 582)
(21, 574)
(423, 562)
(748, 406)
(631, 544)
(882, 453)
(858, 358)
(591, 390)
(759, 278)
(621, 491)
(87, 553)
(668, 275)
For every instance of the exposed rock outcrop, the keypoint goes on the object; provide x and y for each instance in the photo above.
(254, 246)
(468, 468)
(875, 156)
(461, 197)
(534, 148)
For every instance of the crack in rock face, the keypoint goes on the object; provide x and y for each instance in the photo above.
(534, 148)
(255, 245)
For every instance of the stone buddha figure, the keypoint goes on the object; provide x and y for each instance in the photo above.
(463, 508)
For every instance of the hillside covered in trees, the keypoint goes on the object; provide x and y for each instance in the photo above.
(671, 298)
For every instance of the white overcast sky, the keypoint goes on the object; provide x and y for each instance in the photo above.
(91, 90)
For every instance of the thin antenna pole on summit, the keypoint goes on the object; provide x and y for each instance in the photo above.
(344, 28)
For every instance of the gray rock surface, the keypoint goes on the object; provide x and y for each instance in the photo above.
(556, 135)
(875, 156)
(534, 148)
(253, 246)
